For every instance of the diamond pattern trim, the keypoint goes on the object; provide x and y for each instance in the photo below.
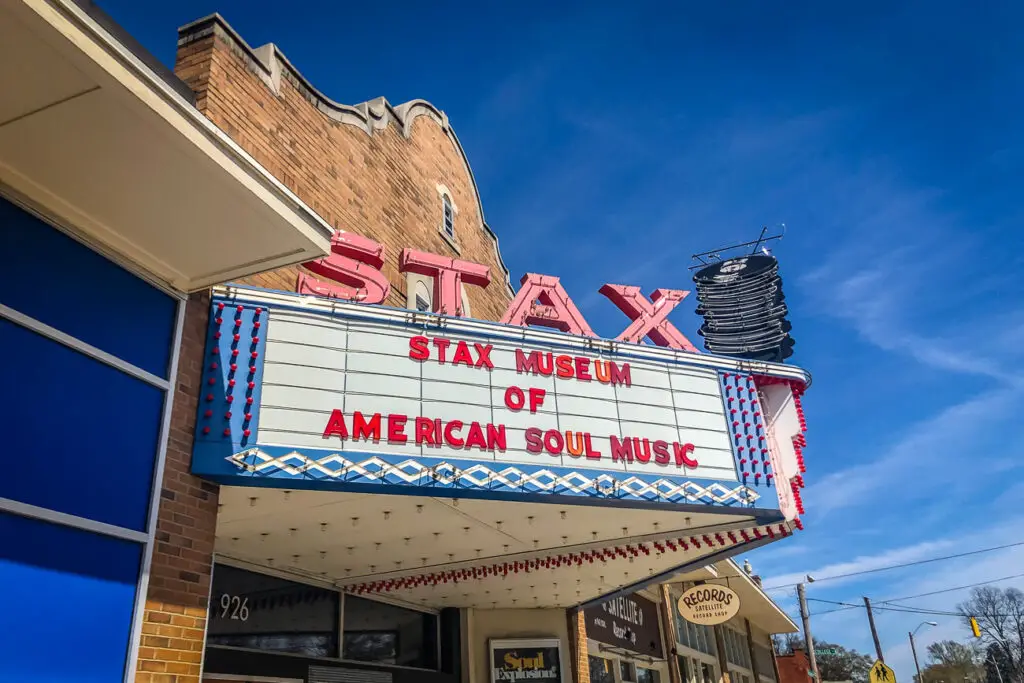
(440, 473)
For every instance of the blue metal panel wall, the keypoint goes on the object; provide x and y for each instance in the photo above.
(67, 599)
(81, 437)
(56, 280)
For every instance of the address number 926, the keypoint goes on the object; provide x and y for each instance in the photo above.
(234, 607)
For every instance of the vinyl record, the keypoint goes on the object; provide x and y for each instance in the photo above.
(731, 270)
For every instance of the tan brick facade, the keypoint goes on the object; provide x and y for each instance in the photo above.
(171, 647)
(382, 184)
(380, 178)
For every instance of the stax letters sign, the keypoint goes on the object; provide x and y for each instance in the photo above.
(352, 272)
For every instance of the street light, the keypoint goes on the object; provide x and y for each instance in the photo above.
(913, 648)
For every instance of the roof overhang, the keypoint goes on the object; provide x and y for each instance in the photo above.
(755, 604)
(97, 136)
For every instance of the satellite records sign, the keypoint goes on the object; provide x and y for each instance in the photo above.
(709, 604)
(526, 660)
(629, 622)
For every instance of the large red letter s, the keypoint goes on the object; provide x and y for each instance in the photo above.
(353, 267)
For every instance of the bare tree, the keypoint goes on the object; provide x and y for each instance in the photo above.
(1000, 616)
(954, 662)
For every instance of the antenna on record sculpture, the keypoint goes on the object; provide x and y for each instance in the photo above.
(741, 301)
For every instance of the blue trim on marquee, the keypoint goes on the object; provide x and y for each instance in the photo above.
(489, 479)
(746, 428)
(236, 343)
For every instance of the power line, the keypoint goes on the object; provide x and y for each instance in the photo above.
(954, 588)
(901, 565)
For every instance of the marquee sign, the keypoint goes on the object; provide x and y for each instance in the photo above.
(308, 392)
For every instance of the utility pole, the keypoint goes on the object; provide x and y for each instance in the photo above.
(874, 633)
(913, 648)
(808, 639)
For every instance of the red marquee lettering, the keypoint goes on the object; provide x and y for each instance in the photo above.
(650, 318)
(462, 355)
(483, 359)
(564, 366)
(542, 301)
(336, 425)
(495, 437)
(475, 437)
(515, 399)
(442, 346)
(451, 434)
(621, 450)
(536, 399)
(583, 369)
(682, 453)
(365, 429)
(418, 349)
(449, 274)
(396, 428)
(661, 452)
(425, 431)
(553, 442)
(534, 363)
(533, 440)
(591, 453)
(353, 268)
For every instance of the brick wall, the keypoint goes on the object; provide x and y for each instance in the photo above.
(382, 185)
(793, 668)
(578, 648)
(174, 624)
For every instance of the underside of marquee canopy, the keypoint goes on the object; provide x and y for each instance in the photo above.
(450, 552)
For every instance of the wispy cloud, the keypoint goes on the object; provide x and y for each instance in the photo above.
(927, 454)
(861, 564)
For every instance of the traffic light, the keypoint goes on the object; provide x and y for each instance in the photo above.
(974, 628)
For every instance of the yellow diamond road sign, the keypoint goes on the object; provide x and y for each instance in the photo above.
(880, 673)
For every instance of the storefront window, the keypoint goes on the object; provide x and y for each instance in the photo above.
(687, 669)
(601, 670)
(647, 675)
(707, 673)
(627, 672)
(387, 634)
(736, 651)
(264, 612)
(764, 661)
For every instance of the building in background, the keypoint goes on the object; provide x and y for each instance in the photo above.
(645, 637)
(794, 667)
(365, 457)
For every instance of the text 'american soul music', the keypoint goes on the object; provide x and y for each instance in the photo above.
(488, 437)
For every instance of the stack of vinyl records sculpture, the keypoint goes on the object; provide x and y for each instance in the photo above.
(744, 309)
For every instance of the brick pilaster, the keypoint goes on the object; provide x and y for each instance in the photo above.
(578, 651)
(174, 622)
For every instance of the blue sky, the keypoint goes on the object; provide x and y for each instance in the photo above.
(611, 141)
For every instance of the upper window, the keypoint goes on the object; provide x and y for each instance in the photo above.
(449, 216)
